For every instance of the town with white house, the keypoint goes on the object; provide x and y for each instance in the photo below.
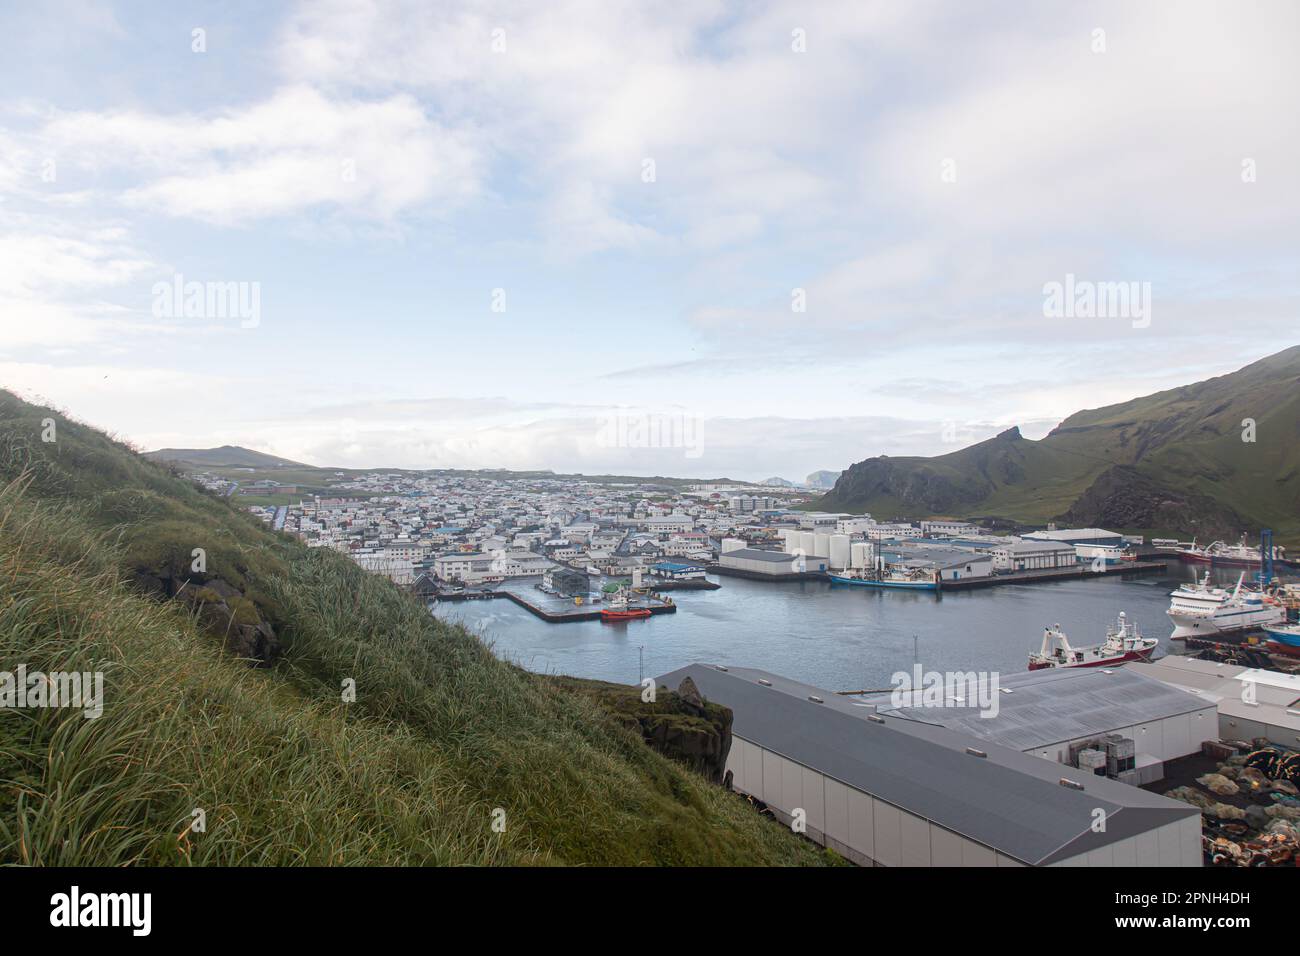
(447, 532)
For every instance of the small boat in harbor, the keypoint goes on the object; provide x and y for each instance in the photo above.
(619, 608)
(911, 580)
(1124, 642)
(1202, 610)
(1283, 638)
(623, 614)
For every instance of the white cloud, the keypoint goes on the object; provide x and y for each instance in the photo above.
(295, 151)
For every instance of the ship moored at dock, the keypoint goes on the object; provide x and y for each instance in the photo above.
(1124, 642)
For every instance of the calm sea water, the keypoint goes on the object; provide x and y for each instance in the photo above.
(836, 637)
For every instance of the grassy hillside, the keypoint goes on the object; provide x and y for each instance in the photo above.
(1172, 462)
(93, 538)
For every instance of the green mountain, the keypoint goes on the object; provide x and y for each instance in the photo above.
(1170, 463)
(230, 456)
(312, 713)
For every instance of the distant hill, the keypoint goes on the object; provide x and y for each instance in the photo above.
(227, 455)
(822, 479)
(1172, 462)
(778, 483)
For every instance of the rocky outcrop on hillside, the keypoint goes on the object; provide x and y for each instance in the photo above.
(679, 724)
(222, 609)
(1122, 497)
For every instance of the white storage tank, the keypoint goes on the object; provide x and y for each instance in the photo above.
(732, 544)
(861, 554)
(822, 547)
(808, 542)
(789, 540)
(840, 551)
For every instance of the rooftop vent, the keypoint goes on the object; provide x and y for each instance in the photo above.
(1072, 784)
(719, 667)
(875, 718)
(815, 699)
(975, 753)
(765, 682)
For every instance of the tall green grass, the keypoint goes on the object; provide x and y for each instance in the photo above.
(441, 733)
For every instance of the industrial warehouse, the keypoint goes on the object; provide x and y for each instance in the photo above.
(1057, 713)
(883, 789)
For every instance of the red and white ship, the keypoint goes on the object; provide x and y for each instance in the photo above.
(1239, 555)
(1124, 642)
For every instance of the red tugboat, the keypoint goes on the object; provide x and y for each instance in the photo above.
(623, 614)
(617, 608)
(1123, 643)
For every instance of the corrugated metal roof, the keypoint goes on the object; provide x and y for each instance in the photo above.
(1007, 800)
(1053, 706)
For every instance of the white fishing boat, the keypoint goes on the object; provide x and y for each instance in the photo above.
(1124, 642)
(1202, 610)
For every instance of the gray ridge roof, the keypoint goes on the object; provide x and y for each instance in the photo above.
(1007, 800)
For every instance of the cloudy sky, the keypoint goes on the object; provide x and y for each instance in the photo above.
(774, 237)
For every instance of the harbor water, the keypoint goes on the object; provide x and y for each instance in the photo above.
(834, 636)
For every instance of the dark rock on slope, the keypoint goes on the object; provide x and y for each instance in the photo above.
(681, 724)
(1122, 497)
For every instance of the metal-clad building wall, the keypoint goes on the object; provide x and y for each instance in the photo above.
(1174, 844)
(870, 831)
(1166, 739)
(855, 824)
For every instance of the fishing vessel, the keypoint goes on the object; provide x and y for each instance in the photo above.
(1221, 554)
(1200, 609)
(915, 579)
(618, 609)
(1124, 642)
(1284, 638)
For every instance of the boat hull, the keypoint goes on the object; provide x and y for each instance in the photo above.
(1285, 640)
(899, 585)
(1186, 625)
(630, 615)
(1103, 662)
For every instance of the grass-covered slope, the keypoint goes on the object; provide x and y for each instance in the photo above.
(1169, 462)
(440, 736)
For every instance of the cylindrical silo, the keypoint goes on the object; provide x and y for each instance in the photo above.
(822, 545)
(840, 550)
(732, 544)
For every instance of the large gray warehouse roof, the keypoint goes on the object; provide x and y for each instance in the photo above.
(1007, 800)
(1053, 706)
